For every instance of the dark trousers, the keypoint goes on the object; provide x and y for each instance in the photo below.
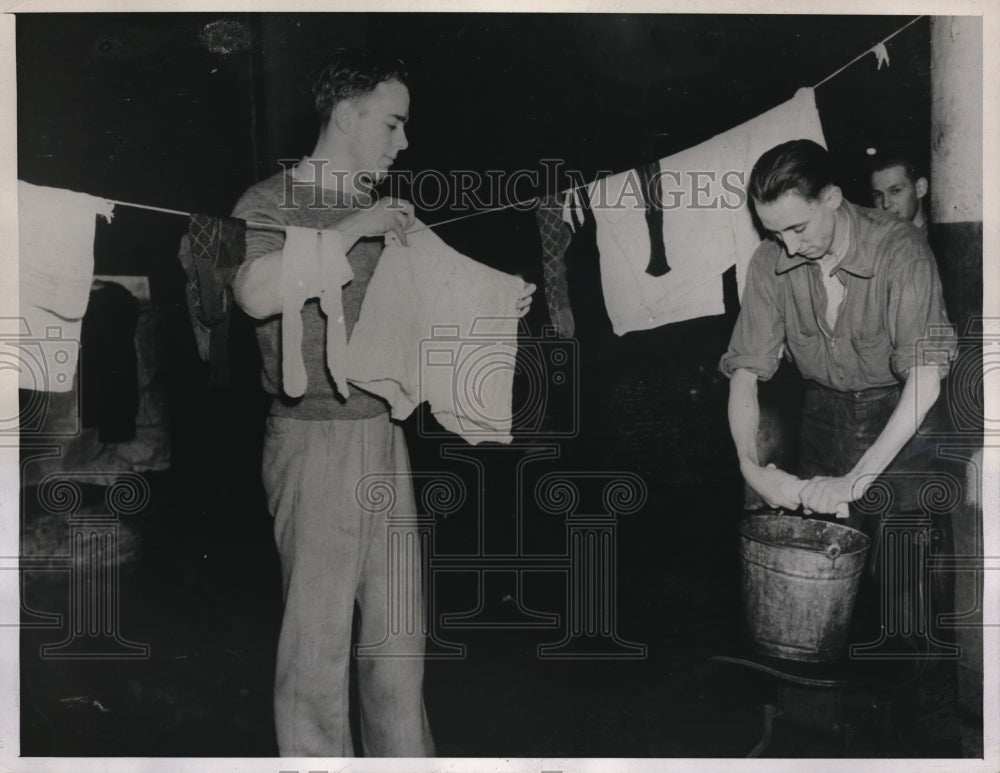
(837, 428)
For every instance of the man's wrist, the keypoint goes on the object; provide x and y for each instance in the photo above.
(861, 481)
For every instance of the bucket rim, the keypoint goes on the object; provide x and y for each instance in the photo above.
(865, 540)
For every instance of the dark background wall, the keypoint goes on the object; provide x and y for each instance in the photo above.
(186, 110)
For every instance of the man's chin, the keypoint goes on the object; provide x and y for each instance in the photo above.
(369, 177)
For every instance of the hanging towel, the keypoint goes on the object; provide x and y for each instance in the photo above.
(311, 260)
(56, 267)
(555, 236)
(439, 327)
(211, 253)
(707, 222)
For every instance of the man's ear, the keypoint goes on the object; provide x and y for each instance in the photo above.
(345, 115)
(831, 197)
(921, 187)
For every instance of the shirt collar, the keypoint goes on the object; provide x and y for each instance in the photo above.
(852, 260)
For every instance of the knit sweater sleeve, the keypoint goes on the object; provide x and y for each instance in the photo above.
(261, 204)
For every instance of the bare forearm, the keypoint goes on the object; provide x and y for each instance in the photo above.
(920, 392)
(744, 416)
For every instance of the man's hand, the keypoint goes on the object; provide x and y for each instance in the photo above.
(384, 216)
(524, 299)
(776, 487)
(829, 495)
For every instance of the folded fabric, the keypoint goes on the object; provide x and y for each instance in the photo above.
(311, 260)
(555, 235)
(56, 267)
(211, 253)
(436, 326)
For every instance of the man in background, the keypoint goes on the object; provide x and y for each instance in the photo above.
(899, 186)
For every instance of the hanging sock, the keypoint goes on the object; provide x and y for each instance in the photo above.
(555, 236)
(649, 185)
(572, 209)
(211, 253)
(109, 387)
(335, 272)
(312, 259)
(56, 268)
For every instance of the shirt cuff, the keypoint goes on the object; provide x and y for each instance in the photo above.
(762, 365)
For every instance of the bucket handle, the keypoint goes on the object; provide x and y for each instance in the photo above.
(833, 551)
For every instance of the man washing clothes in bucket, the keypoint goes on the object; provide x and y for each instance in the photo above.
(852, 297)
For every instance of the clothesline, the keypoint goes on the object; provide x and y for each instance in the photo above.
(829, 77)
(867, 51)
(278, 227)
(134, 205)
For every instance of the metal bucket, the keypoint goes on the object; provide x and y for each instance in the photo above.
(800, 578)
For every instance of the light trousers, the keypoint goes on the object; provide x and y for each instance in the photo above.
(334, 554)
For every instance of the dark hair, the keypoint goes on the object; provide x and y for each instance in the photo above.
(897, 157)
(799, 165)
(350, 74)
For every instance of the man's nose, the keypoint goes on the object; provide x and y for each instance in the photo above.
(401, 141)
(792, 244)
(886, 202)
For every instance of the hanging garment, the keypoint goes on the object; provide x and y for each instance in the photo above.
(649, 188)
(439, 327)
(56, 267)
(707, 222)
(556, 236)
(312, 259)
(723, 233)
(109, 369)
(635, 299)
(211, 253)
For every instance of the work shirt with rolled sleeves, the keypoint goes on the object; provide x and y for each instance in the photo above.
(891, 318)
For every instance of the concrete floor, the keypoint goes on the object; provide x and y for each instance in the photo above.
(200, 586)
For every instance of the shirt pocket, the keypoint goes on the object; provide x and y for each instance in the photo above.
(873, 352)
(806, 351)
